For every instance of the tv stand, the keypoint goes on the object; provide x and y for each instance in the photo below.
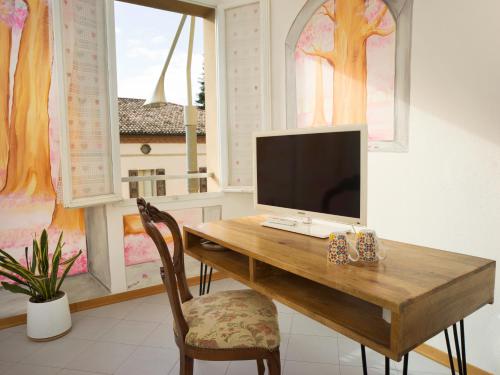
(309, 227)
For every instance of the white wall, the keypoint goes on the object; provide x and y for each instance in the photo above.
(445, 192)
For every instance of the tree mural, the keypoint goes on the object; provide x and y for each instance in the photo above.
(28, 170)
(353, 22)
(29, 138)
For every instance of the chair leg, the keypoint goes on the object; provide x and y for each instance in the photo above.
(186, 365)
(274, 363)
(261, 369)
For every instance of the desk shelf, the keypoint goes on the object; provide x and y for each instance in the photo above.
(348, 315)
(231, 263)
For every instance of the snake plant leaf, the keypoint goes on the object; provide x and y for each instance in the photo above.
(33, 259)
(44, 253)
(8, 256)
(56, 258)
(15, 288)
(13, 278)
(69, 263)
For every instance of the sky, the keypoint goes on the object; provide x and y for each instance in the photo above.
(143, 38)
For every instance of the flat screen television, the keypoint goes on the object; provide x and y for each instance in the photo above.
(318, 173)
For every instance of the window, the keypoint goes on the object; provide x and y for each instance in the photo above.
(153, 50)
(153, 188)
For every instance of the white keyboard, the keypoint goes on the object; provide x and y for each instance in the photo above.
(319, 230)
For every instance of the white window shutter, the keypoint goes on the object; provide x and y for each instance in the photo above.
(85, 72)
(243, 84)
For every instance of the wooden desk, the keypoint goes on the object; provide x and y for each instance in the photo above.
(426, 290)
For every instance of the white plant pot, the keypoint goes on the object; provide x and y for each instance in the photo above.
(48, 320)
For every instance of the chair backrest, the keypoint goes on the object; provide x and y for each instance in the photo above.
(173, 273)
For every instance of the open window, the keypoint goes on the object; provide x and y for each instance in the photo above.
(110, 140)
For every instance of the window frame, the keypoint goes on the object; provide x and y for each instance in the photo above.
(114, 131)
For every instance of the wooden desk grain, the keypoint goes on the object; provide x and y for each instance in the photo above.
(426, 289)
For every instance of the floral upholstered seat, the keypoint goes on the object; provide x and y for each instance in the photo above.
(232, 319)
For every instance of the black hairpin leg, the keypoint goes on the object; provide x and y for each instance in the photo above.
(450, 354)
(387, 363)
(457, 348)
(405, 364)
(363, 358)
(209, 280)
(464, 360)
(204, 287)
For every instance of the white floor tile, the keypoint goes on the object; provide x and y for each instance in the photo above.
(149, 361)
(243, 368)
(285, 322)
(57, 353)
(301, 368)
(304, 325)
(283, 309)
(136, 337)
(162, 337)
(206, 368)
(148, 312)
(5, 334)
(116, 310)
(102, 357)
(17, 347)
(24, 369)
(4, 366)
(358, 370)
(91, 327)
(128, 332)
(320, 349)
(350, 354)
(76, 372)
(157, 299)
(420, 364)
(285, 338)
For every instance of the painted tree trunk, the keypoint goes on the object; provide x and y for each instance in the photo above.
(5, 42)
(69, 219)
(349, 92)
(28, 171)
(319, 106)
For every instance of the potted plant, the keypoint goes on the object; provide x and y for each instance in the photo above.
(48, 315)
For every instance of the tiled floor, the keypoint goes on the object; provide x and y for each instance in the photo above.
(136, 338)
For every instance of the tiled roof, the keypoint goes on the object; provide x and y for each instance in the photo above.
(166, 120)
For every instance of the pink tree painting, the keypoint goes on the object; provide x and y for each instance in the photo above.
(345, 67)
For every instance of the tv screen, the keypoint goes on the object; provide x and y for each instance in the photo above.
(318, 172)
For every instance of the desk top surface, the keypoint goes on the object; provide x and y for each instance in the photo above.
(409, 271)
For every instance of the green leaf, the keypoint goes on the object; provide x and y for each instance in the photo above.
(13, 278)
(15, 288)
(69, 263)
(33, 259)
(56, 257)
(8, 256)
(44, 253)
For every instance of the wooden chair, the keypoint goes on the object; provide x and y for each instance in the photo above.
(223, 326)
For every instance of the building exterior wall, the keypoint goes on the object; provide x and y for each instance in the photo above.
(168, 156)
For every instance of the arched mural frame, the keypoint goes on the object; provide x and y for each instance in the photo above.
(402, 11)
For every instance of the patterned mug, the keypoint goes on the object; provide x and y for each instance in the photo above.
(368, 247)
(338, 249)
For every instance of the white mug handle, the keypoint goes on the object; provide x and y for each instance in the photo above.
(381, 251)
(353, 247)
